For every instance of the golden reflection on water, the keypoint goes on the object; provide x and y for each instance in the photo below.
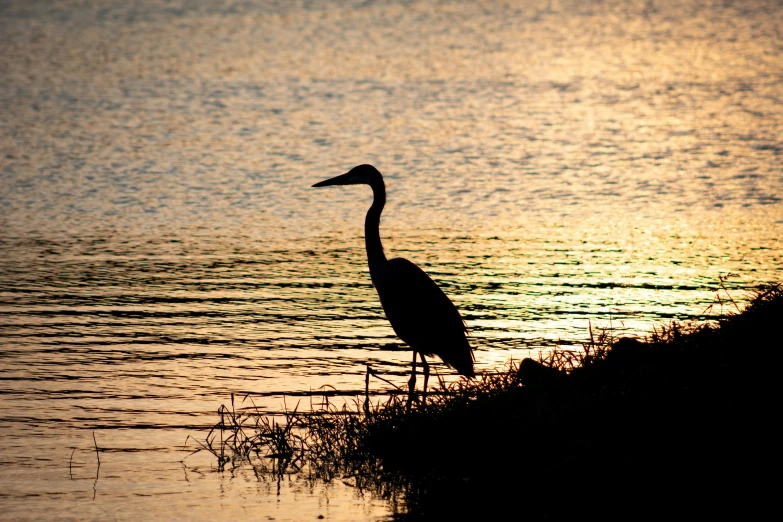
(550, 164)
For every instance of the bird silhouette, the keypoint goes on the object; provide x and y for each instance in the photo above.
(418, 310)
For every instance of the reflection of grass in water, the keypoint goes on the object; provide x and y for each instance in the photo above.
(651, 424)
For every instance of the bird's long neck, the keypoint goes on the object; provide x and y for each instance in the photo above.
(372, 235)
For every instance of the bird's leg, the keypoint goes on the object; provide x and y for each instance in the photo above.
(426, 376)
(412, 382)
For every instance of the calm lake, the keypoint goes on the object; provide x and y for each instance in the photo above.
(553, 165)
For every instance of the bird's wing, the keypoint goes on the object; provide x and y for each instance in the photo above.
(422, 315)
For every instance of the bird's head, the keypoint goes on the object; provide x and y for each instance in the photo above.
(359, 175)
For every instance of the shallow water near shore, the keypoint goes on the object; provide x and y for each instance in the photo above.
(552, 165)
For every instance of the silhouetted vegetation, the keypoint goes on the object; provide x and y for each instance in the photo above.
(680, 423)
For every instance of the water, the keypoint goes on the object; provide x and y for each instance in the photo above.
(550, 164)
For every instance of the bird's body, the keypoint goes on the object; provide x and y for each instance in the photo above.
(418, 310)
(423, 316)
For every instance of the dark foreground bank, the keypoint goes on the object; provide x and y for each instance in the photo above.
(681, 424)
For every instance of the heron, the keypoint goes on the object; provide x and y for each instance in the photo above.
(418, 310)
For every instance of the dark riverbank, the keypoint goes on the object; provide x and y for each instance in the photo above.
(678, 424)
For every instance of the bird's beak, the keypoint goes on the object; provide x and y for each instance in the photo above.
(343, 179)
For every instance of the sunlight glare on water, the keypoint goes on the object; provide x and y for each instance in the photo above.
(551, 164)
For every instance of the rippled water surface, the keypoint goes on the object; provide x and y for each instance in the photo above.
(550, 164)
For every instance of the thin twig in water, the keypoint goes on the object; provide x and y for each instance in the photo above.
(97, 455)
(97, 470)
(70, 464)
(377, 375)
